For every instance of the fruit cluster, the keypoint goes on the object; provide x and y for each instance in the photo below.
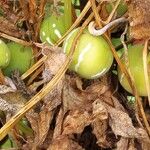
(92, 56)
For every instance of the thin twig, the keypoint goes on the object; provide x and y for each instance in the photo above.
(125, 46)
(22, 42)
(96, 14)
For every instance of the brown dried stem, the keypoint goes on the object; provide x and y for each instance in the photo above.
(25, 43)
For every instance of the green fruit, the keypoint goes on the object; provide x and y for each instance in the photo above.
(121, 10)
(92, 57)
(4, 55)
(52, 29)
(21, 58)
(136, 68)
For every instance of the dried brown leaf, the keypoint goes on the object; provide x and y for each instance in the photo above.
(99, 129)
(138, 11)
(121, 123)
(59, 123)
(145, 145)
(73, 98)
(131, 145)
(53, 64)
(64, 143)
(99, 110)
(6, 89)
(83, 105)
(14, 98)
(45, 118)
(125, 144)
(76, 121)
(100, 123)
(122, 144)
(41, 122)
(11, 100)
(55, 95)
(7, 107)
(9, 28)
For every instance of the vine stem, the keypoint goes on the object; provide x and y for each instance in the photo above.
(68, 13)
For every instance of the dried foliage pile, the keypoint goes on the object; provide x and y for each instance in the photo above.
(49, 108)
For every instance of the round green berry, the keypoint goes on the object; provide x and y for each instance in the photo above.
(52, 29)
(136, 68)
(92, 57)
(21, 58)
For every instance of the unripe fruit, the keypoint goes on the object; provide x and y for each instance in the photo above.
(52, 29)
(92, 57)
(136, 68)
(21, 58)
(4, 55)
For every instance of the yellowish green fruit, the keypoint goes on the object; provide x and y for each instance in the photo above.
(4, 55)
(92, 57)
(21, 58)
(52, 29)
(136, 68)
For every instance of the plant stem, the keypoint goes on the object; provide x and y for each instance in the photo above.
(68, 13)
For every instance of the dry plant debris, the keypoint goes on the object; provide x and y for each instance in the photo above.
(75, 114)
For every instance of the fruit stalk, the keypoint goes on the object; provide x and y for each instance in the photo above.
(68, 13)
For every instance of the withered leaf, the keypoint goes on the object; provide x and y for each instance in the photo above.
(53, 63)
(9, 28)
(125, 144)
(14, 98)
(41, 122)
(75, 97)
(122, 144)
(64, 143)
(138, 11)
(75, 122)
(6, 89)
(7, 107)
(99, 129)
(99, 110)
(121, 123)
(59, 122)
